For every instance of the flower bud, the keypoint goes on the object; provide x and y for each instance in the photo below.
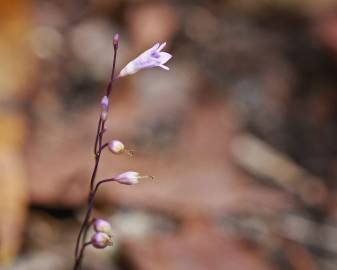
(130, 178)
(104, 115)
(105, 108)
(105, 103)
(101, 240)
(100, 225)
(116, 147)
(116, 40)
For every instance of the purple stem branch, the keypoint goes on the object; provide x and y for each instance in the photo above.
(102, 182)
(104, 145)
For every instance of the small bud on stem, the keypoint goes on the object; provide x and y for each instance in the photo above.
(104, 115)
(105, 103)
(131, 178)
(116, 40)
(117, 147)
(101, 240)
(100, 225)
(105, 108)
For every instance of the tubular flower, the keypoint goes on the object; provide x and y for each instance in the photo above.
(101, 240)
(130, 178)
(152, 57)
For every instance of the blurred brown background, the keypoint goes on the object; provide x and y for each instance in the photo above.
(241, 133)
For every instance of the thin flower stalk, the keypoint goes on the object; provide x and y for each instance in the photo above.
(102, 237)
(80, 242)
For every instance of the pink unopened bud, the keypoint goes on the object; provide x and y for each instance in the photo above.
(105, 108)
(130, 178)
(117, 147)
(105, 103)
(116, 40)
(104, 115)
(101, 240)
(100, 225)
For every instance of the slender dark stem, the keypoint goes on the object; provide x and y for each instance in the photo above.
(102, 182)
(80, 256)
(97, 136)
(90, 199)
(91, 194)
(108, 91)
(85, 221)
(86, 224)
(100, 137)
(98, 147)
(104, 145)
(86, 229)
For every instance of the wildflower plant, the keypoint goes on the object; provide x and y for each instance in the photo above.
(102, 236)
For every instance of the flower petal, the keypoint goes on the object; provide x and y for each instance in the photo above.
(129, 69)
(164, 57)
(152, 57)
(155, 46)
(161, 46)
(164, 67)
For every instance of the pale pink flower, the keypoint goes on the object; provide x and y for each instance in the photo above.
(152, 57)
(130, 178)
